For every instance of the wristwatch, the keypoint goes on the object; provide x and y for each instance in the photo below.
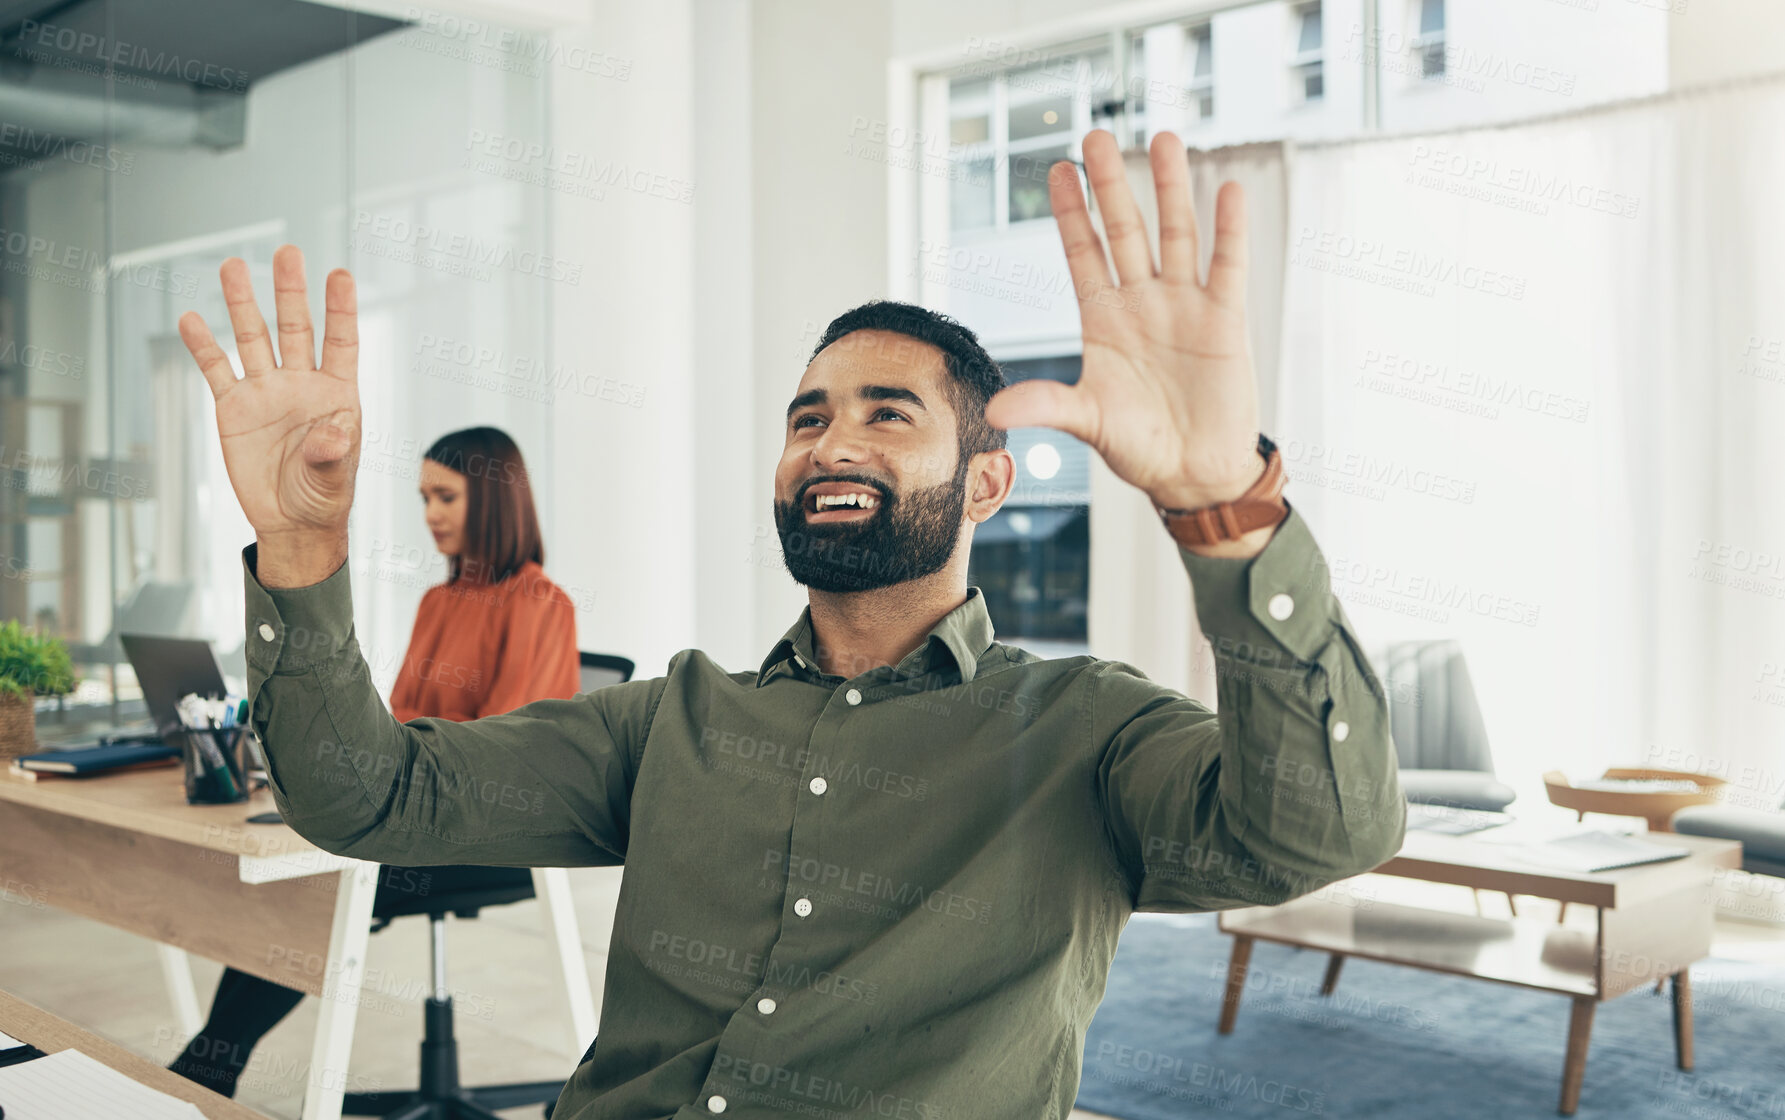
(1260, 506)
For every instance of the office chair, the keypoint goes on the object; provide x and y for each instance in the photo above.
(604, 668)
(460, 890)
(1440, 740)
(1761, 831)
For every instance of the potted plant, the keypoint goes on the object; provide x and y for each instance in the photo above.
(31, 665)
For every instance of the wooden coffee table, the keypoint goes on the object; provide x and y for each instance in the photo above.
(1652, 922)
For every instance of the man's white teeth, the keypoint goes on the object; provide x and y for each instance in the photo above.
(863, 501)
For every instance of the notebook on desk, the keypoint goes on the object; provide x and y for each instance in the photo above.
(69, 1085)
(99, 758)
(1599, 851)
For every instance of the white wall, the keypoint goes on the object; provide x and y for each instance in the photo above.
(819, 226)
(629, 504)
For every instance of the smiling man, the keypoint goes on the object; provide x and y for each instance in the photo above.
(884, 871)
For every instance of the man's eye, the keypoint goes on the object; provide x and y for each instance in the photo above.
(889, 412)
(800, 422)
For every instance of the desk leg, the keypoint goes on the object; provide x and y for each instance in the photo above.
(176, 969)
(1236, 982)
(327, 1082)
(1682, 1018)
(552, 885)
(1574, 1066)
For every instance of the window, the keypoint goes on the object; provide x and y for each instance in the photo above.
(1429, 43)
(1170, 66)
(1306, 61)
(1202, 71)
(1006, 130)
(1032, 559)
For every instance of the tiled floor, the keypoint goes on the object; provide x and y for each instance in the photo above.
(512, 1023)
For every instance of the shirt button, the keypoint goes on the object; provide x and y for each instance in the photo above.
(1341, 731)
(854, 696)
(1281, 606)
(715, 1103)
(766, 1006)
(800, 661)
(818, 786)
(266, 632)
(802, 907)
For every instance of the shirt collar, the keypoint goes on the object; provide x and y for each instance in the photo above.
(964, 633)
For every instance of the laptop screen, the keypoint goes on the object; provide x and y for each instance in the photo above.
(169, 668)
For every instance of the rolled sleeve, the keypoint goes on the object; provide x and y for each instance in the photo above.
(548, 784)
(1292, 784)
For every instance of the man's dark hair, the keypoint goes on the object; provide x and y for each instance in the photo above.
(973, 375)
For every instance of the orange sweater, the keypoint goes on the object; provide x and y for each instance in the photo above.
(480, 650)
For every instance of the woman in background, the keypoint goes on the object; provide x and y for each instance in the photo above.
(496, 635)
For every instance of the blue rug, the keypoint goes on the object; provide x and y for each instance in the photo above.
(1398, 1043)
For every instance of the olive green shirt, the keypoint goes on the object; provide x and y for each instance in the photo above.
(892, 895)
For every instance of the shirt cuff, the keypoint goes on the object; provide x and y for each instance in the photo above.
(294, 629)
(1282, 597)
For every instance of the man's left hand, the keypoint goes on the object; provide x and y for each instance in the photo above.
(1167, 393)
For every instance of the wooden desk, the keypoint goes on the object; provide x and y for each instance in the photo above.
(1653, 922)
(29, 1023)
(127, 850)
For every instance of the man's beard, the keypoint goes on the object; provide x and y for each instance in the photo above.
(909, 536)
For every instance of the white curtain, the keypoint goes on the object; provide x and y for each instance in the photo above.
(1141, 606)
(1531, 391)
(1532, 396)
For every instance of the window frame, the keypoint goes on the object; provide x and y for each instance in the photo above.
(1304, 64)
(1426, 46)
(998, 144)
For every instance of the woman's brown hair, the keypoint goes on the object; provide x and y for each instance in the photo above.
(501, 525)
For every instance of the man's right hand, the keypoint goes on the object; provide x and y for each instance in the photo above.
(290, 430)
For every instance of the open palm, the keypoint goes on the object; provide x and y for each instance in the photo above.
(290, 429)
(1166, 394)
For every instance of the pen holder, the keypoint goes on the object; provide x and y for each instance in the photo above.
(212, 758)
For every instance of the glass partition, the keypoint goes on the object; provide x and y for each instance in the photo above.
(141, 144)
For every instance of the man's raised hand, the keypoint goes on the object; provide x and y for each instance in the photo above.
(1166, 395)
(290, 429)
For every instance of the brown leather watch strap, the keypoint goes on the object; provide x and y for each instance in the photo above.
(1260, 506)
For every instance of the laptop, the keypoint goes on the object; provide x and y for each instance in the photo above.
(169, 668)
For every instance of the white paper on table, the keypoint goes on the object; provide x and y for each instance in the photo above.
(69, 1085)
(7, 1042)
